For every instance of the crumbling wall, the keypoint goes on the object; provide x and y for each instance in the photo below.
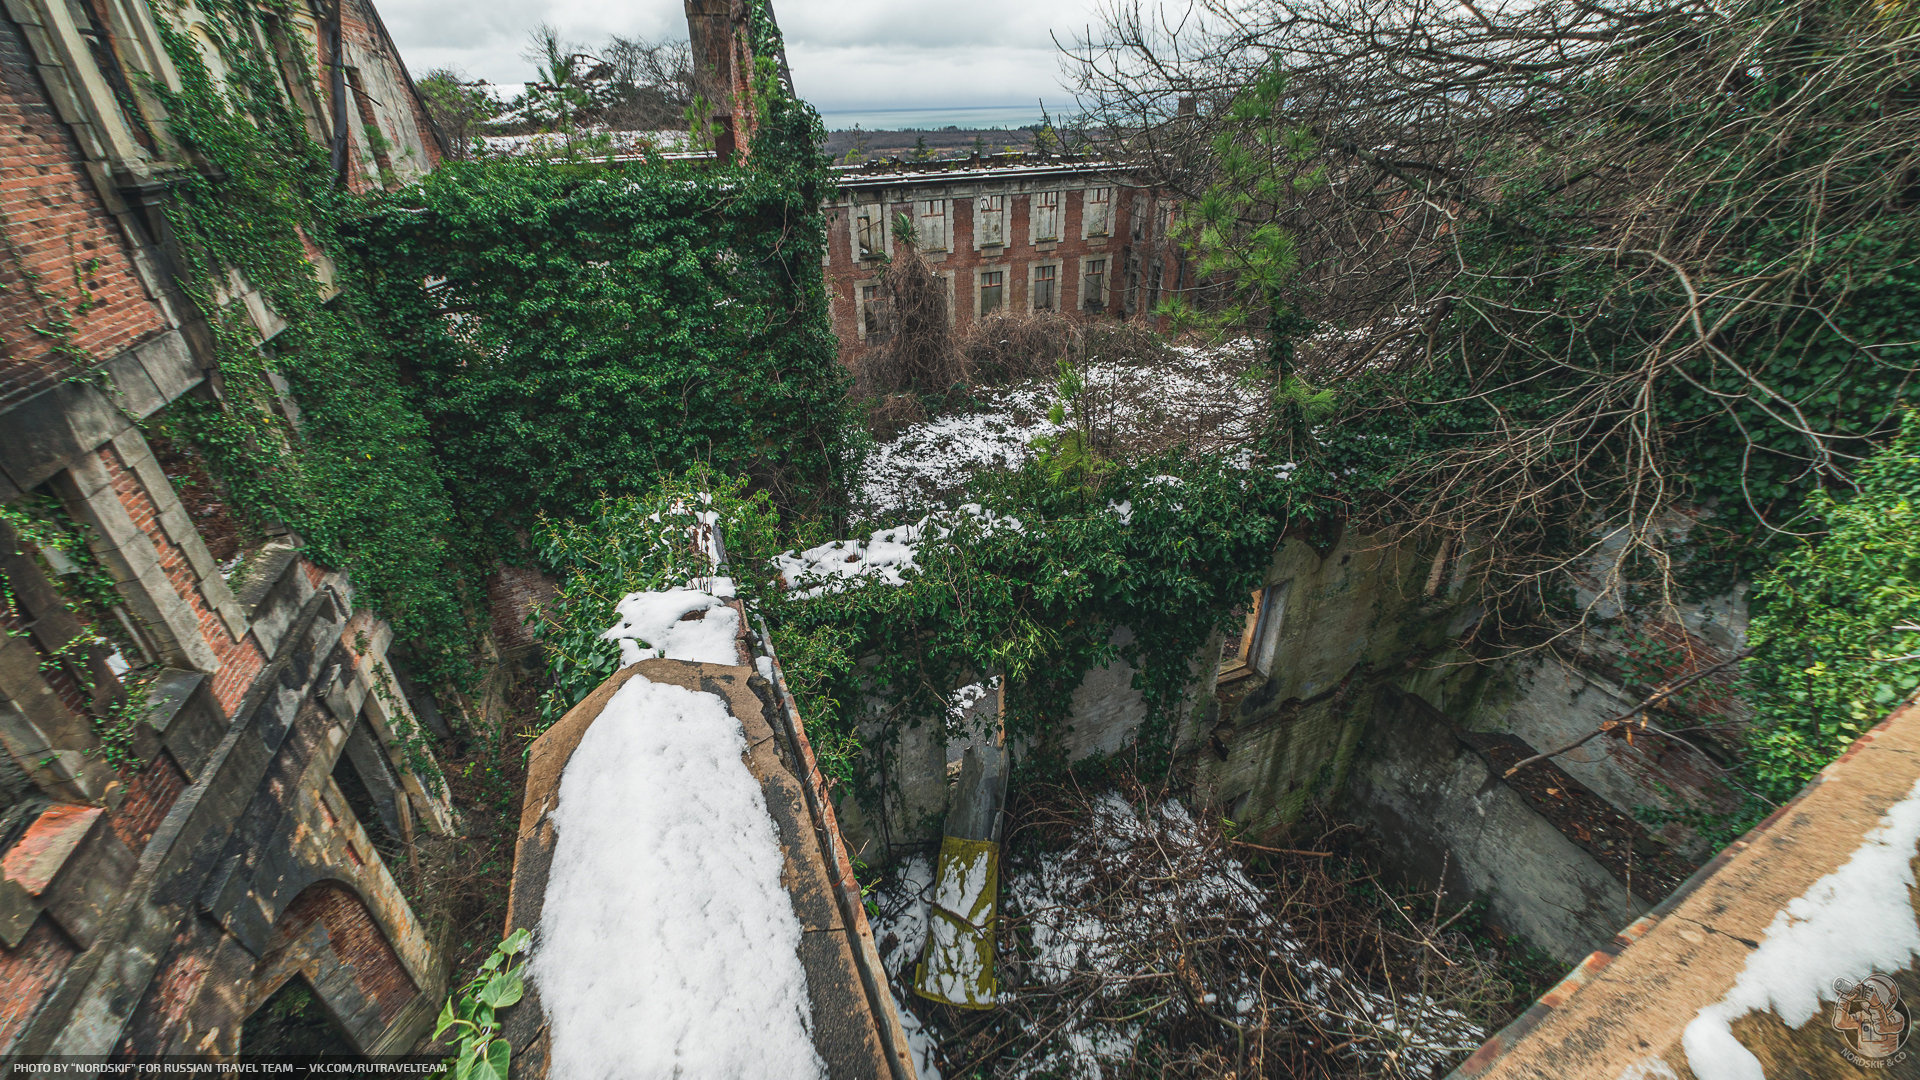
(1369, 708)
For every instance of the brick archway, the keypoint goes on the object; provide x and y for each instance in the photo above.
(329, 935)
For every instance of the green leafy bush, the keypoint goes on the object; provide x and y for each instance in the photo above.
(639, 543)
(1837, 624)
(579, 330)
(471, 1014)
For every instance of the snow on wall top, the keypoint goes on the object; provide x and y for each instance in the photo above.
(667, 944)
(679, 624)
(884, 557)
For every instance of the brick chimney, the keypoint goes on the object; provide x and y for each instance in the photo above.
(722, 47)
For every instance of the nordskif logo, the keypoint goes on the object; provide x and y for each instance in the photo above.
(1871, 1017)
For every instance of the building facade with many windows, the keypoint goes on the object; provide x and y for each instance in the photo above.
(1018, 233)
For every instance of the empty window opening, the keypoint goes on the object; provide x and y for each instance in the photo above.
(869, 232)
(1043, 288)
(1153, 287)
(1095, 285)
(294, 1022)
(1098, 209)
(372, 801)
(873, 314)
(1263, 636)
(992, 291)
(1046, 217)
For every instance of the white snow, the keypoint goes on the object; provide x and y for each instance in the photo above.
(1197, 397)
(666, 937)
(656, 624)
(952, 965)
(1856, 920)
(621, 143)
(961, 892)
(885, 557)
(900, 931)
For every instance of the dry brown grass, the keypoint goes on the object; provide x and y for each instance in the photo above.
(1009, 347)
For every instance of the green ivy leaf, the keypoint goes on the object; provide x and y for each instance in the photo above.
(502, 990)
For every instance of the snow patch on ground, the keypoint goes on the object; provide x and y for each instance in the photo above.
(656, 624)
(900, 932)
(1856, 920)
(885, 557)
(666, 932)
(1197, 398)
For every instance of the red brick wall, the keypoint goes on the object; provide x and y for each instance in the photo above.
(240, 659)
(28, 974)
(844, 271)
(150, 794)
(54, 224)
(357, 940)
(512, 592)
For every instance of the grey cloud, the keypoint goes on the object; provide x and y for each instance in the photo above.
(906, 54)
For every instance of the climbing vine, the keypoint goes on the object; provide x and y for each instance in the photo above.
(37, 528)
(339, 450)
(589, 328)
(1034, 588)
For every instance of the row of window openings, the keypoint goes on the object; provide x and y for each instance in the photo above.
(1045, 293)
(930, 221)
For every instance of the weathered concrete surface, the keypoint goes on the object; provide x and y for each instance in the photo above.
(846, 1025)
(1623, 1013)
(1441, 814)
(1353, 615)
(1553, 704)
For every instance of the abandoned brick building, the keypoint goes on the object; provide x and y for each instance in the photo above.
(250, 849)
(1014, 233)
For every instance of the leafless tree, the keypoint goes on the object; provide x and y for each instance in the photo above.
(1587, 213)
(653, 81)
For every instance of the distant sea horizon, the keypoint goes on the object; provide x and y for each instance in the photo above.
(1008, 117)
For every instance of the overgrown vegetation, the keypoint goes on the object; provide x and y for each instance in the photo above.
(1035, 595)
(1617, 299)
(642, 543)
(588, 329)
(356, 477)
(1837, 624)
(82, 642)
(1617, 261)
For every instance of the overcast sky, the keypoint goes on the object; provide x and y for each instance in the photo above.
(900, 54)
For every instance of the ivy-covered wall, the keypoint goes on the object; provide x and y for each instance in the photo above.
(583, 330)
